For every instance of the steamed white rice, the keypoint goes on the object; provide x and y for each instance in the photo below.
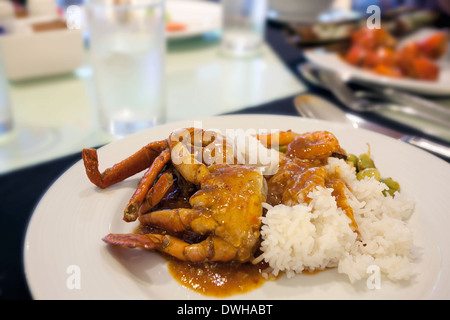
(318, 235)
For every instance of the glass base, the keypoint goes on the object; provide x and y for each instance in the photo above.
(122, 129)
(241, 44)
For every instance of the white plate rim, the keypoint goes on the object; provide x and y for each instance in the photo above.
(41, 279)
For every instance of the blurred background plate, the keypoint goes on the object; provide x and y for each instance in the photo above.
(306, 11)
(195, 17)
(333, 61)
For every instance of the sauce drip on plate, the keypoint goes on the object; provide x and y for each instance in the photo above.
(217, 279)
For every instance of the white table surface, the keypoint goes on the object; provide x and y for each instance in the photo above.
(56, 116)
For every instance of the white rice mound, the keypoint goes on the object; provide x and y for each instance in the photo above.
(318, 235)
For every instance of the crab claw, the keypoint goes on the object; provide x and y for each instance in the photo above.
(124, 169)
(211, 249)
(132, 209)
(131, 240)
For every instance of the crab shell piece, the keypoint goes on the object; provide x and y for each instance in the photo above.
(226, 210)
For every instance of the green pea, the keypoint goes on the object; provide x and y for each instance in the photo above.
(389, 191)
(282, 149)
(391, 184)
(353, 159)
(368, 173)
(365, 162)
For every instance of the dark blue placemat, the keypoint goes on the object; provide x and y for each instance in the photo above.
(20, 192)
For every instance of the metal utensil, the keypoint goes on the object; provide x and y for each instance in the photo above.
(401, 97)
(312, 106)
(360, 101)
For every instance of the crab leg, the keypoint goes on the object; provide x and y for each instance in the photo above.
(190, 168)
(156, 193)
(131, 210)
(211, 249)
(183, 159)
(124, 169)
(179, 220)
(132, 240)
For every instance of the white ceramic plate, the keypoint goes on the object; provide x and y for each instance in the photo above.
(199, 17)
(332, 61)
(64, 235)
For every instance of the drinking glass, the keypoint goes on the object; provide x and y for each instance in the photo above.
(243, 26)
(127, 52)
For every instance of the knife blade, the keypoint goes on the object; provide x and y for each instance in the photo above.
(312, 106)
(408, 99)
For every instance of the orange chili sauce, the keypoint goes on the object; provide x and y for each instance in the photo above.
(222, 279)
(217, 279)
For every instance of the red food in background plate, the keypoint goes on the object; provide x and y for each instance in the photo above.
(425, 69)
(175, 26)
(435, 46)
(376, 50)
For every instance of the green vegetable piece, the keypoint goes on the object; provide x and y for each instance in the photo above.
(389, 192)
(365, 162)
(392, 184)
(282, 149)
(353, 159)
(368, 173)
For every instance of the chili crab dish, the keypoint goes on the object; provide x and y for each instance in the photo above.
(285, 203)
(378, 51)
